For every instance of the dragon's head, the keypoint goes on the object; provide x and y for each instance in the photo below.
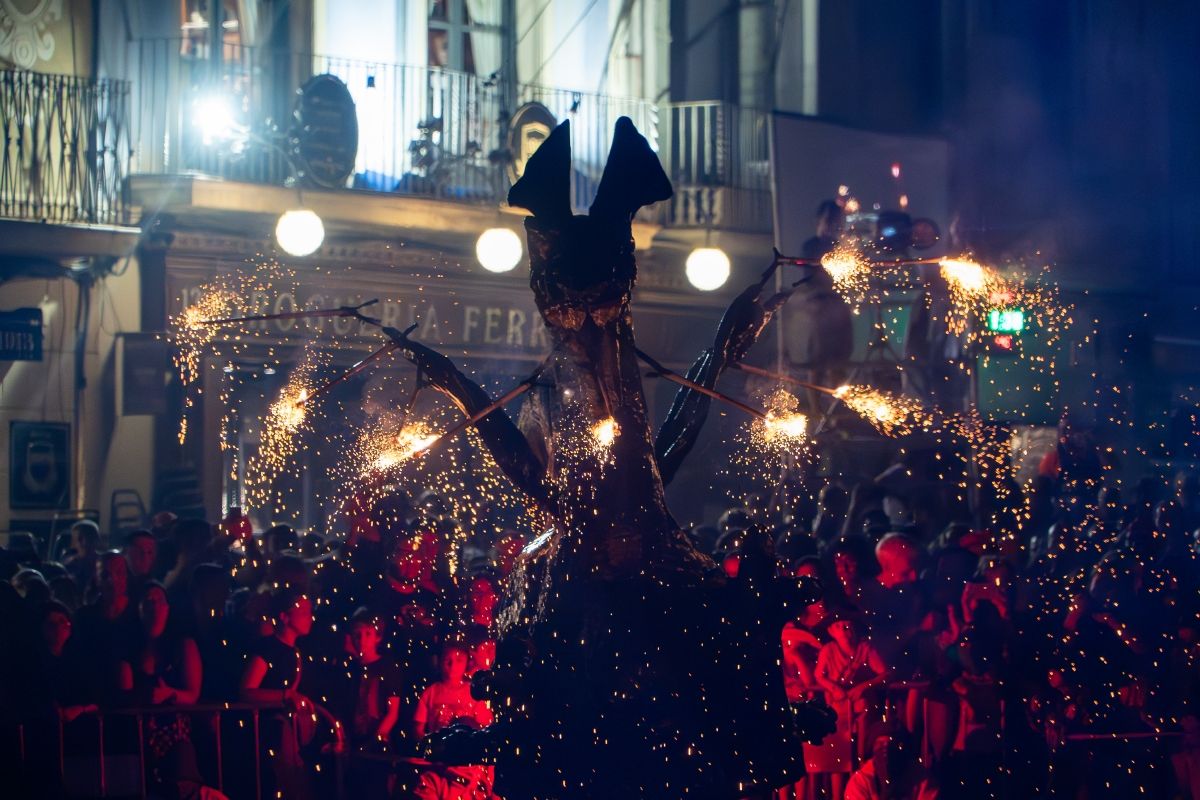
(582, 266)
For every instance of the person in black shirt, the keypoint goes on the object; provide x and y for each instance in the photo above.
(272, 676)
(369, 692)
(53, 686)
(106, 630)
(412, 603)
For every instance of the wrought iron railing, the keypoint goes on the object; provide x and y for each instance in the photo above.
(718, 158)
(65, 147)
(439, 133)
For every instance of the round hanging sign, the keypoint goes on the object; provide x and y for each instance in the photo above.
(325, 132)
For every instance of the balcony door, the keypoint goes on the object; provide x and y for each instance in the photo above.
(467, 36)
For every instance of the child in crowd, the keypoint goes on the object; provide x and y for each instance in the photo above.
(445, 703)
(847, 668)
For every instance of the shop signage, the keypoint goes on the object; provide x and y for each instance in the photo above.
(441, 319)
(21, 335)
(325, 131)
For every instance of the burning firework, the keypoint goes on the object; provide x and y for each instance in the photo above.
(783, 427)
(281, 428)
(850, 272)
(289, 411)
(887, 413)
(969, 277)
(192, 337)
(415, 437)
(604, 433)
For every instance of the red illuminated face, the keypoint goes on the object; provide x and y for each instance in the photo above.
(300, 617)
(113, 576)
(363, 640)
(844, 634)
(483, 655)
(414, 560)
(141, 553)
(808, 570)
(482, 600)
(846, 568)
(454, 665)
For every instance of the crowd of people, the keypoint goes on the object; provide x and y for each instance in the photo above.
(1056, 659)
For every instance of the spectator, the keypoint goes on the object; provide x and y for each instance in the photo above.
(444, 703)
(107, 629)
(481, 649)
(141, 551)
(272, 677)
(162, 669)
(481, 601)
(849, 667)
(85, 553)
(894, 772)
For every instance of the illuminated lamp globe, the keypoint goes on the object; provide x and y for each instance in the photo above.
(708, 268)
(299, 231)
(498, 249)
(213, 115)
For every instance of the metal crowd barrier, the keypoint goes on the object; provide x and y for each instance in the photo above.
(217, 711)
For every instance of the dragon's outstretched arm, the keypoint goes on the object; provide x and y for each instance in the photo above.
(741, 325)
(509, 447)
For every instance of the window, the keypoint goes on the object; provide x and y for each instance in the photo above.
(197, 19)
(465, 35)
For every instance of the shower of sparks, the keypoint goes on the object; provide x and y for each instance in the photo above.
(887, 413)
(396, 448)
(850, 272)
(280, 433)
(289, 411)
(379, 463)
(784, 428)
(231, 294)
(967, 276)
(192, 337)
(973, 289)
(976, 289)
(604, 433)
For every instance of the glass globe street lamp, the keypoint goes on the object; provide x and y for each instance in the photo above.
(299, 231)
(707, 268)
(498, 249)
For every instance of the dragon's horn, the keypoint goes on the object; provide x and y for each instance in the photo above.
(545, 186)
(633, 176)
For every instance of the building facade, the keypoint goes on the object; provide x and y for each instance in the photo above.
(151, 147)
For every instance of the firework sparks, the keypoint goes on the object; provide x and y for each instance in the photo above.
(230, 295)
(604, 433)
(850, 272)
(792, 426)
(783, 428)
(887, 413)
(279, 438)
(289, 410)
(972, 287)
(192, 337)
(968, 277)
(415, 437)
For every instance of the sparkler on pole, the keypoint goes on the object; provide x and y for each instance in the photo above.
(887, 413)
(675, 377)
(414, 439)
(340, 311)
(354, 370)
(781, 376)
